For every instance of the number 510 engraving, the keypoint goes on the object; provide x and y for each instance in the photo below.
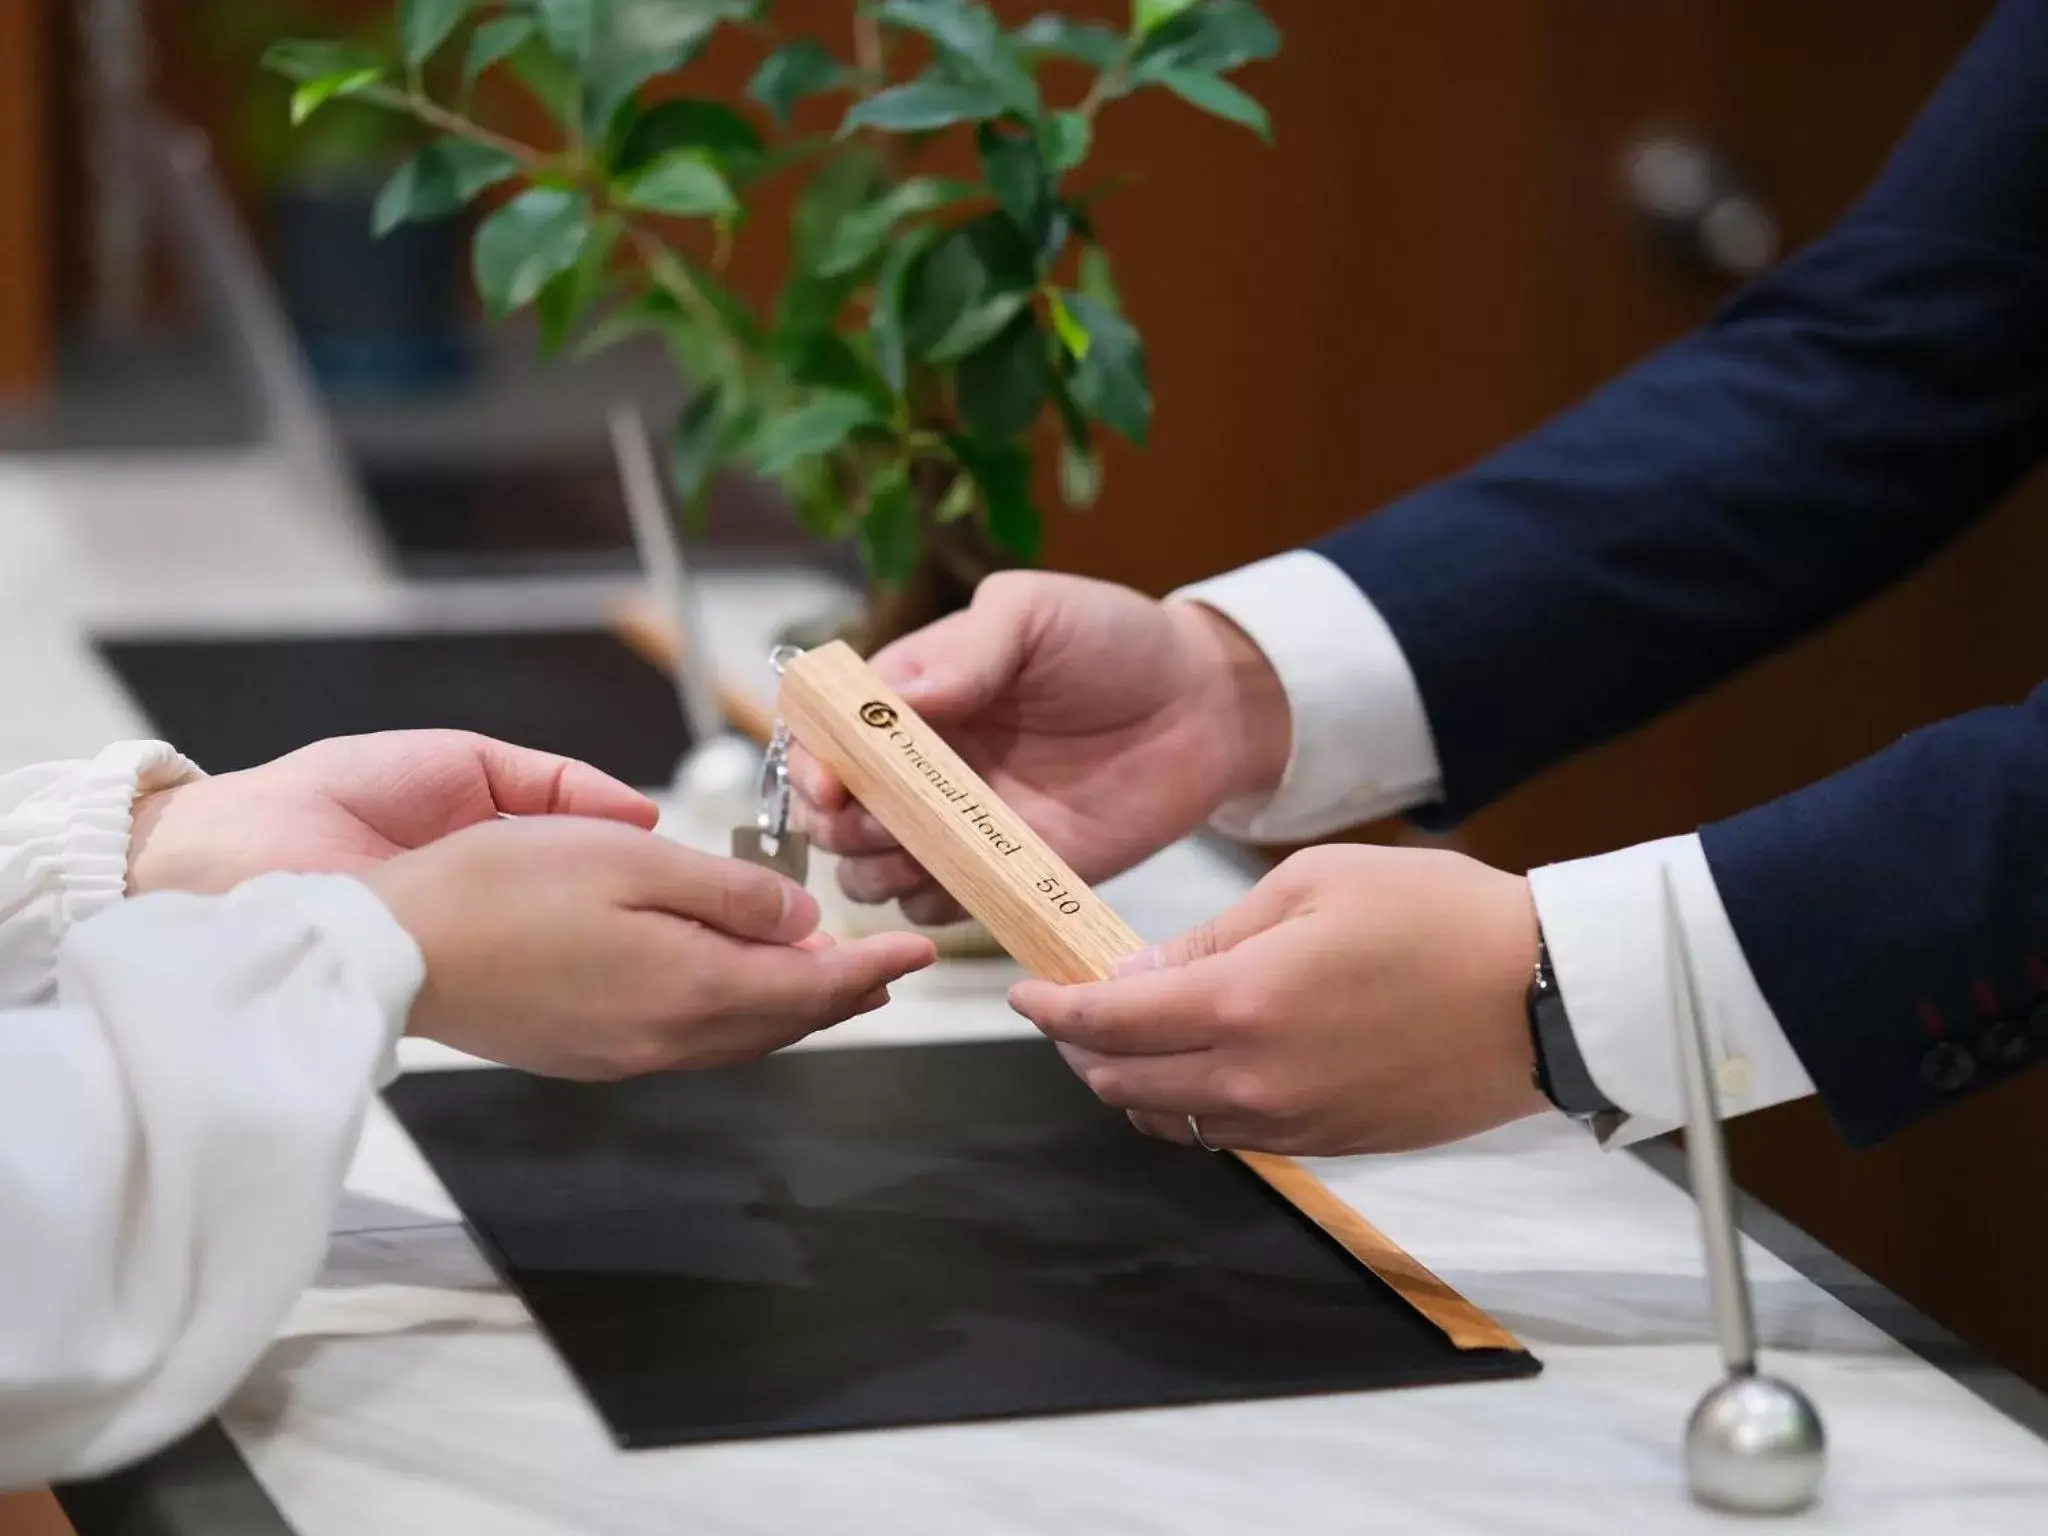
(1061, 900)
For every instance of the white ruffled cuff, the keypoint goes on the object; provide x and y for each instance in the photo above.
(64, 835)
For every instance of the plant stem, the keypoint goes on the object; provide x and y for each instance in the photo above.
(868, 53)
(437, 116)
(1111, 79)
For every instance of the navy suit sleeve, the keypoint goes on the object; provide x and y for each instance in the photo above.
(1833, 426)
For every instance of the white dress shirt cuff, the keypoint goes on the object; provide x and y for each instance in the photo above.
(1362, 747)
(1603, 919)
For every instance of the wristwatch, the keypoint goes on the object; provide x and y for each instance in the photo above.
(1560, 1071)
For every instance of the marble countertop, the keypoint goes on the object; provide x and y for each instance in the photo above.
(410, 1392)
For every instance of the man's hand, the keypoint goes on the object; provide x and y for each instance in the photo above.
(1111, 723)
(578, 949)
(346, 804)
(1361, 999)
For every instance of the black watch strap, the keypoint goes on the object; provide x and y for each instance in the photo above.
(1561, 1072)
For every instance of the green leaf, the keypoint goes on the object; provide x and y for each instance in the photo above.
(826, 360)
(731, 142)
(698, 355)
(922, 105)
(699, 445)
(797, 69)
(889, 535)
(1080, 464)
(1016, 174)
(960, 499)
(314, 94)
(1003, 471)
(814, 492)
(1066, 327)
(551, 78)
(1148, 16)
(1068, 138)
(646, 313)
(679, 276)
(961, 28)
(424, 25)
(570, 26)
(685, 183)
(809, 302)
(491, 43)
(1218, 97)
(1097, 280)
(1080, 476)
(974, 44)
(1001, 387)
(1212, 37)
(862, 233)
(969, 286)
(439, 180)
(851, 179)
(1057, 37)
(525, 243)
(886, 324)
(1110, 384)
(619, 45)
(568, 296)
(817, 426)
(308, 61)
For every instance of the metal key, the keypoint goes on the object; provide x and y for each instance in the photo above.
(769, 842)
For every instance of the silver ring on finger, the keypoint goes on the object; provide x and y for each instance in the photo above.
(1195, 1130)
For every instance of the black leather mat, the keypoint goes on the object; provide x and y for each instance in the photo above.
(231, 703)
(851, 1239)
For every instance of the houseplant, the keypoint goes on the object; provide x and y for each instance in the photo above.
(374, 316)
(928, 332)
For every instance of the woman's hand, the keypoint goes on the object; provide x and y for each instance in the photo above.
(575, 948)
(343, 805)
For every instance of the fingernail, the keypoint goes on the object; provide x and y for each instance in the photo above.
(1148, 959)
(872, 830)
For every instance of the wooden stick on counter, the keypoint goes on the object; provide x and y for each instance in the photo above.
(648, 631)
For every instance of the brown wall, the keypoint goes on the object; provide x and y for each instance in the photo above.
(26, 259)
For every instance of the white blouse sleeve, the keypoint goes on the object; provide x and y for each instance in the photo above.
(174, 1131)
(64, 852)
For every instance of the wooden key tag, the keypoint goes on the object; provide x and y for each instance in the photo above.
(949, 820)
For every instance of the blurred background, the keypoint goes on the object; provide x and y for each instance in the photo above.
(1473, 213)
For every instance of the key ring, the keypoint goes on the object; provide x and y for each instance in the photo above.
(771, 794)
(771, 813)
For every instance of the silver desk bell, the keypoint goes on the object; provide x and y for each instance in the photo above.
(1754, 1445)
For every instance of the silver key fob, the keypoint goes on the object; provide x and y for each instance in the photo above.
(789, 854)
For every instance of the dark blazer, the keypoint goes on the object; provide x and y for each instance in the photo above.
(1829, 430)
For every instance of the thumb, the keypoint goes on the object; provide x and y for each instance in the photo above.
(528, 783)
(1270, 903)
(957, 667)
